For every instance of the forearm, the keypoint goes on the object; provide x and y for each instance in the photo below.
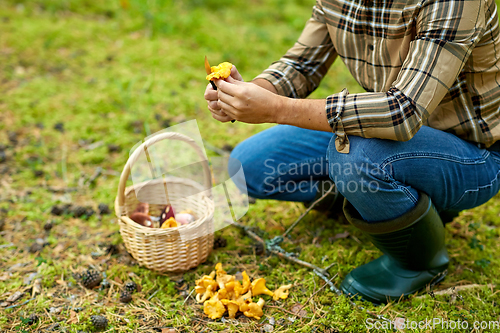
(304, 113)
(263, 83)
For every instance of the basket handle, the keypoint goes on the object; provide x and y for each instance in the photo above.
(120, 197)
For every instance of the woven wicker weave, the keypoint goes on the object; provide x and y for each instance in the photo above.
(164, 250)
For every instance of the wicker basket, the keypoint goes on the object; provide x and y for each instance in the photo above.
(164, 250)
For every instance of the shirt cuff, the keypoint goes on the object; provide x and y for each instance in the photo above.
(335, 105)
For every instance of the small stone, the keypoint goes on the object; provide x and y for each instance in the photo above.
(55, 310)
(251, 200)
(3, 156)
(103, 209)
(268, 328)
(59, 127)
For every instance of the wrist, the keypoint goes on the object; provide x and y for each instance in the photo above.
(282, 110)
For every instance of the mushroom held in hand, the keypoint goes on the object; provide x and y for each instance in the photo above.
(259, 287)
(221, 71)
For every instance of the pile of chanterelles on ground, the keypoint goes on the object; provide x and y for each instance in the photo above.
(225, 293)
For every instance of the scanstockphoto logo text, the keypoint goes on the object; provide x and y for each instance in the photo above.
(431, 323)
(347, 177)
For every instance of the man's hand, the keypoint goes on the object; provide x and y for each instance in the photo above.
(211, 97)
(247, 102)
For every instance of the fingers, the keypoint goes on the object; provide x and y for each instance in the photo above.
(220, 116)
(228, 109)
(235, 74)
(210, 93)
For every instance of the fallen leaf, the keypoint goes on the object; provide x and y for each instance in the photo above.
(341, 235)
(4, 277)
(14, 297)
(118, 280)
(298, 310)
(73, 317)
(59, 248)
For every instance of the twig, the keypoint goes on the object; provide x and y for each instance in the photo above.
(451, 290)
(307, 211)
(153, 294)
(97, 173)
(20, 304)
(314, 294)
(188, 297)
(277, 253)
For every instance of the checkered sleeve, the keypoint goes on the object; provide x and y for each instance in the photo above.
(446, 33)
(299, 72)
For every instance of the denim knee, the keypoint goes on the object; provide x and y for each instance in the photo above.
(251, 180)
(354, 172)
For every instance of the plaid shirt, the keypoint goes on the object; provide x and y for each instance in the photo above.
(422, 62)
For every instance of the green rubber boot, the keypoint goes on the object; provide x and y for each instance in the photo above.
(414, 254)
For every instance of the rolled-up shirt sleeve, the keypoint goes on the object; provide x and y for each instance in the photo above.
(446, 33)
(299, 72)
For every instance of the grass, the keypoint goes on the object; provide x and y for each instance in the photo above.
(112, 72)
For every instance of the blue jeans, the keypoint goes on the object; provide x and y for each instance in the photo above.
(380, 178)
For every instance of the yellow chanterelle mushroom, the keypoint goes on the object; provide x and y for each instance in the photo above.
(281, 292)
(246, 282)
(232, 307)
(255, 309)
(205, 287)
(222, 278)
(214, 308)
(259, 287)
